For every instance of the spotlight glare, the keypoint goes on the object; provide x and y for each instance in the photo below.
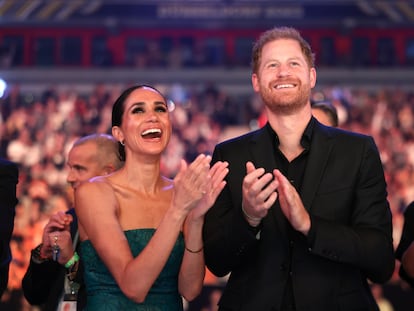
(3, 86)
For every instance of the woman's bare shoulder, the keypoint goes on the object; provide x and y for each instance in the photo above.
(100, 185)
(97, 182)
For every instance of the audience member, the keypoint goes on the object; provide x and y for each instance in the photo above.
(49, 281)
(8, 200)
(405, 249)
(325, 113)
(140, 232)
(312, 211)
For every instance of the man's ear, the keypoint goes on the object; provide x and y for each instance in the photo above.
(255, 82)
(108, 169)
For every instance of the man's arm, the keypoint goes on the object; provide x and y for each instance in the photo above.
(39, 278)
(43, 273)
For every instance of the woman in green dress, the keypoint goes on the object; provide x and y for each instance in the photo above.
(141, 232)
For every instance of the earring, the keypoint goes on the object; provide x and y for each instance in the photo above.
(122, 143)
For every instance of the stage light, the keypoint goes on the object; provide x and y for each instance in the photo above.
(3, 86)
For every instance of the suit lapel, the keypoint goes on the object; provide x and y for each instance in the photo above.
(261, 150)
(263, 156)
(321, 147)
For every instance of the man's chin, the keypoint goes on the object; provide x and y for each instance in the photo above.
(287, 108)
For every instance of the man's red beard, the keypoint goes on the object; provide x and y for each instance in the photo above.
(285, 103)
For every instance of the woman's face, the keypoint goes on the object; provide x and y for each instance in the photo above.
(146, 126)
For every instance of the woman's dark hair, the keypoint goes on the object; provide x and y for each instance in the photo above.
(119, 107)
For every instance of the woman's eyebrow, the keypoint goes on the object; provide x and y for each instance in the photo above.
(160, 103)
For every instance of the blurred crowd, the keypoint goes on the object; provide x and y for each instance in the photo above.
(37, 130)
(195, 49)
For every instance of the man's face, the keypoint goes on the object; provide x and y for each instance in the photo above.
(284, 78)
(83, 164)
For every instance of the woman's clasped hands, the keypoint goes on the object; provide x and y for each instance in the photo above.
(197, 185)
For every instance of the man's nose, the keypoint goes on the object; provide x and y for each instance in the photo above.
(71, 178)
(284, 70)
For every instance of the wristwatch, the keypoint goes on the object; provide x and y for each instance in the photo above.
(36, 255)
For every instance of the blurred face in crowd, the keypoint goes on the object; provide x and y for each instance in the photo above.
(146, 126)
(325, 113)
(322, 116)
(284, 78)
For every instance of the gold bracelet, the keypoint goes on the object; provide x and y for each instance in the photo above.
(194, 252)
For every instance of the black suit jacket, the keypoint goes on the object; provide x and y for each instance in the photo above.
(407, 237)
(8, 181)
(350, 239)
(43, 283)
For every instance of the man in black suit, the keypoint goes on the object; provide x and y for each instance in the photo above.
(44, 281)
(8, 181)
(304, 220)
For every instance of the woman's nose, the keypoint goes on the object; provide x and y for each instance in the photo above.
(152, 117)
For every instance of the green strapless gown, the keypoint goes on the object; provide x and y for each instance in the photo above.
(105, 295)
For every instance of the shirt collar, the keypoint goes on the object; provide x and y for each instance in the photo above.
(306, 136)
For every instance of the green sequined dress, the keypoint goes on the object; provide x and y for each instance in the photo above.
(105, 295)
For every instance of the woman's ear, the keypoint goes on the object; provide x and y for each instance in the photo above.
(117, 133)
